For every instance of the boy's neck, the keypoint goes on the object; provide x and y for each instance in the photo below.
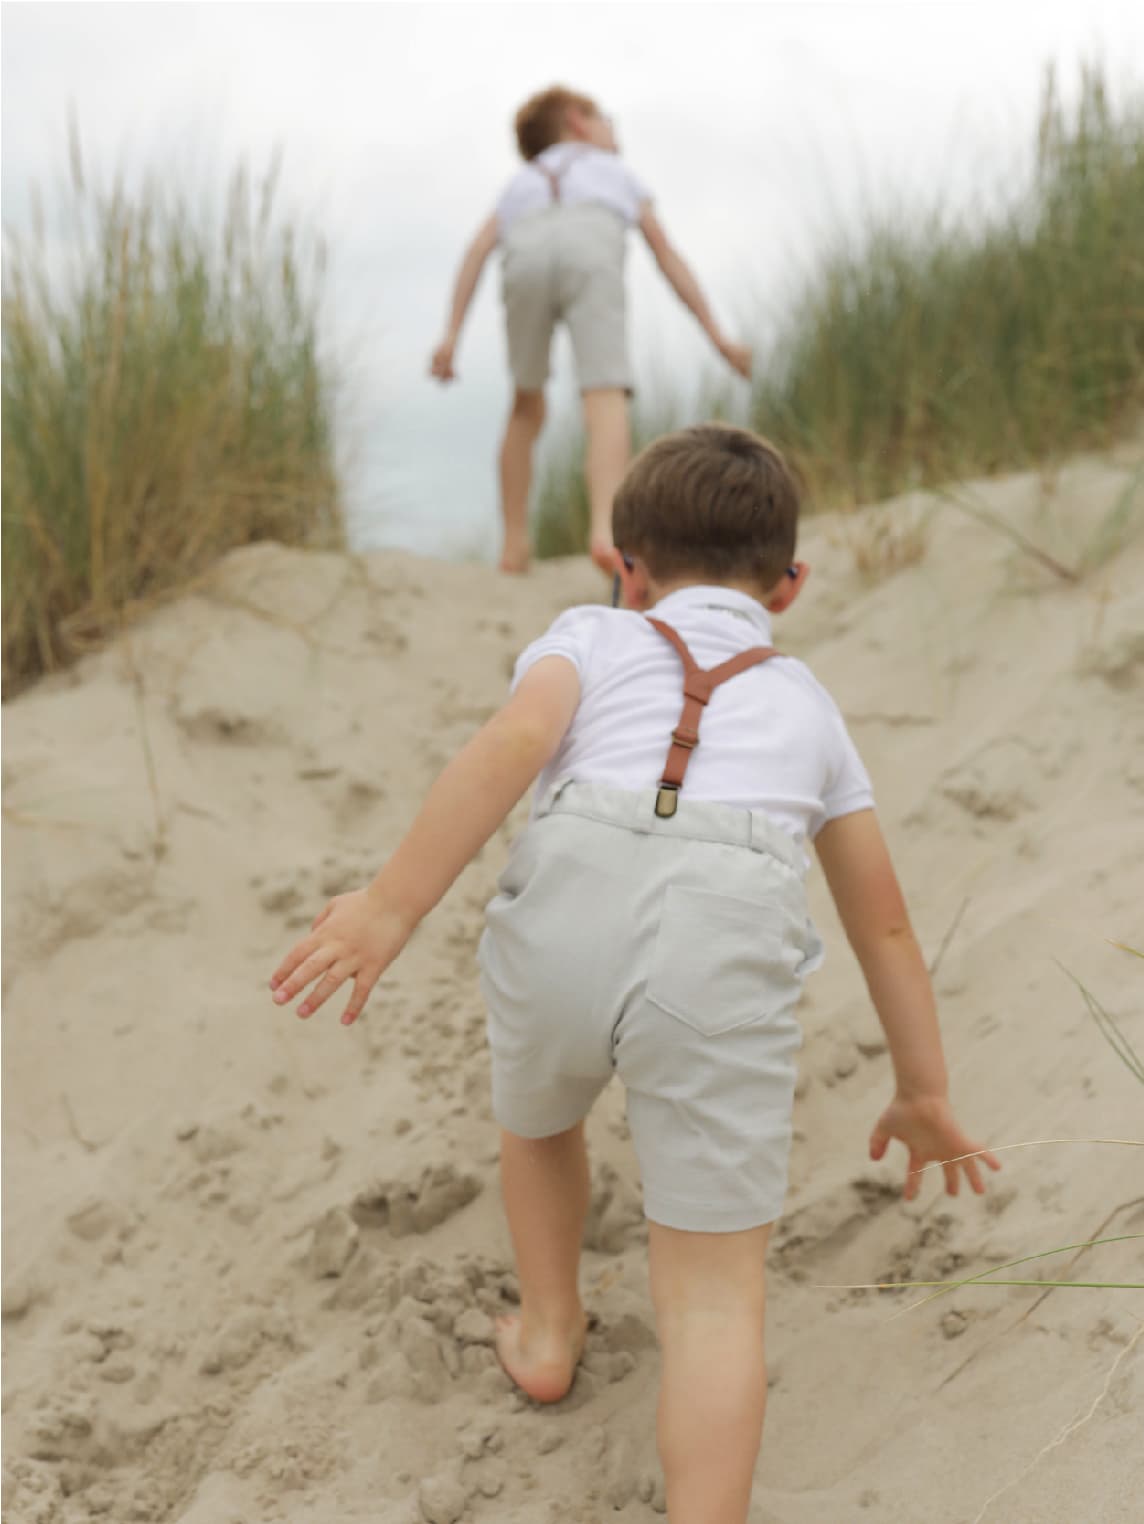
(657, 591)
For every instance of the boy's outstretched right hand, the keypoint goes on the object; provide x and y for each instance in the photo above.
(356, 937)
(929, 1129)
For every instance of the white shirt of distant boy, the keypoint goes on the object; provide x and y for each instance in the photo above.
(587, 174)
(772, 738)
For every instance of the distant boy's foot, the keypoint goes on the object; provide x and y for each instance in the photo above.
(603, 552)
(515, 563)
(545, 1367)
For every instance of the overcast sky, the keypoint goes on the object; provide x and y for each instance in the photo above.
(756, 126)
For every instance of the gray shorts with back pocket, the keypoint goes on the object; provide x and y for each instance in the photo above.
(671, 952)
(565, 264)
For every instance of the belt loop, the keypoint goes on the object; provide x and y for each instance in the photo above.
(767, 837)
(548, 804)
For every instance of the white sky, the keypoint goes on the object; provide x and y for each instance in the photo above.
(757, 127)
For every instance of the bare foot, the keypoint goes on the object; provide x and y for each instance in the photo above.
(545, 1367)
(603, 552)
(515, 564)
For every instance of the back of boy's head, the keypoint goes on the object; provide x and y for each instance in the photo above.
(541, 121)
(712, 502)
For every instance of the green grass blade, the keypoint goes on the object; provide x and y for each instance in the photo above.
(1108, 1027)
(986, 1277)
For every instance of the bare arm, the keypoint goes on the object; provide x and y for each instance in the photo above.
(679, 277)
(873, 913)
(359, 934)
(464, 289)
(865, 889)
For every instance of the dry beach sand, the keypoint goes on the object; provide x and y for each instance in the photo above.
(251, 1264)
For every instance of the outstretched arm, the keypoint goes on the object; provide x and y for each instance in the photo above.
(464, 288)
(358, 935)
(870, 905)
(686, 287)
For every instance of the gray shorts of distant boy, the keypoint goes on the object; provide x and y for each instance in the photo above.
(565, 264)
(671, 952)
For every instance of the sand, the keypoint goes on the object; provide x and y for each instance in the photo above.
(251, 1264)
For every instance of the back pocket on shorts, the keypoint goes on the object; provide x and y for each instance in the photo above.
(722, 963)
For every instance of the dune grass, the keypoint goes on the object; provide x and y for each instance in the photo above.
(923, 351)
(926, 347)
(164, 400)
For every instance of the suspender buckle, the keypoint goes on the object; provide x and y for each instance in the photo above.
(686, 738)
(667, 800)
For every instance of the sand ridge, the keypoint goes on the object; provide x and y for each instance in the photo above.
(252, 1265)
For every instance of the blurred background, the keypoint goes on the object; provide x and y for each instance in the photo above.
(231, 230)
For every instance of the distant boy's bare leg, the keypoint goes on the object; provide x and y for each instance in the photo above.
(546, 1192)
(708, 1290)
(525, 421)
(608, 451)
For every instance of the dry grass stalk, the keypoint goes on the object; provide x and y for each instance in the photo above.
(165, 399)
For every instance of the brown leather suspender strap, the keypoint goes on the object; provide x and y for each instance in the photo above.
(553, 180)
(554, 176)
(699, 684)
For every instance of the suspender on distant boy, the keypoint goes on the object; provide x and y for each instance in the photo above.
(699, 684)
(554, 176)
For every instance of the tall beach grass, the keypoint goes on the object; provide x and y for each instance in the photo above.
(927, 346)
(165, 399)
(920, 352)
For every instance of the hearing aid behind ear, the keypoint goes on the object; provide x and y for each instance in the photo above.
(630, 564)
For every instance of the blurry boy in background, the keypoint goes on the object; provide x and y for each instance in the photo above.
(561, 224)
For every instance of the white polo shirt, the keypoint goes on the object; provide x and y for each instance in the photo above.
(771, 739)
(587, 174)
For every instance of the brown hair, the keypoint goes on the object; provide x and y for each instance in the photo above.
(540, 121)
(711, 501)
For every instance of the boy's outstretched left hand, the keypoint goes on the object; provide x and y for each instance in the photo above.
(737, 356)
(929, 1129)
(441, 365)
(357, 936)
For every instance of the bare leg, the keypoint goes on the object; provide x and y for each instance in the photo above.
(546, 1191)
(525, 420)
(708, 1290)
(608, 452)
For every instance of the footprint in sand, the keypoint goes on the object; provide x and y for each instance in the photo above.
(404, 1208)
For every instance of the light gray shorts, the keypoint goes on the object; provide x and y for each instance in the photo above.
(565, 264)
(671, 952)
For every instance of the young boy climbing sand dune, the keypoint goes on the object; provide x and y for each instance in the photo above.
(561, 224)
(652, 923)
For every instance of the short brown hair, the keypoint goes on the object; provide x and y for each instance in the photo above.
(712, 501)
(540, 121)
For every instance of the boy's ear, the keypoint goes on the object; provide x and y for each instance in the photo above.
(635, 592)
(782, 596)
(575, 123)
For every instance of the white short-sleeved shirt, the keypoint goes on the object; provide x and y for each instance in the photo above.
(772, 738)
(587, 174)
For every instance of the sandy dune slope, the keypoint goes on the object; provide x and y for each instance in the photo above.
(250, 1264)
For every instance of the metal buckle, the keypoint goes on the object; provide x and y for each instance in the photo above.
(667, 800)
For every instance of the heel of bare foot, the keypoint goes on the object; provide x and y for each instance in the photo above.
(515, 563)
(603, 552)
(542, 1367)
